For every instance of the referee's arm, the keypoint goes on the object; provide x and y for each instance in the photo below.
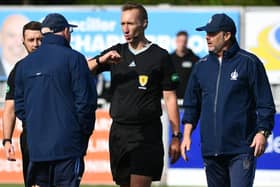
(170, 100)
(9, 117)
(111, 57)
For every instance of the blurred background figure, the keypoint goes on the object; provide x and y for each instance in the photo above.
(32, 37)
(104, 83)
(11, 46)
(183, 59)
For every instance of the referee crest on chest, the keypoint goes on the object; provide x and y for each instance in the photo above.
(143, 81)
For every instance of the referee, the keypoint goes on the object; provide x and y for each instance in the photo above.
(141, 73)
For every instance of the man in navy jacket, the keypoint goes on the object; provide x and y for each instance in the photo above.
(229, 92)
(55, 95)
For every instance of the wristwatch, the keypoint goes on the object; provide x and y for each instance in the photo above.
(6, 140)
(97, 60)
(177, 135)
(265, 133)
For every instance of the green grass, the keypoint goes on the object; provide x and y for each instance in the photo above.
(21, 185)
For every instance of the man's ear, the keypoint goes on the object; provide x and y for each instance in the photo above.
(227, 36)
(66, 30)
(145, 24)
(24, 45)
(22, 40)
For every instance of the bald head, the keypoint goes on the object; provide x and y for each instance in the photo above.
(11, 38)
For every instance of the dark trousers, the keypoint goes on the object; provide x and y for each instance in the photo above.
(230, 171)
(24, 153)
(59, 173)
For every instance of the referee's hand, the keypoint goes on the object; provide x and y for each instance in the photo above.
(174, 150)
(111, 57)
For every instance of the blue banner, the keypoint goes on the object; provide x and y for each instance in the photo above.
(99, 28)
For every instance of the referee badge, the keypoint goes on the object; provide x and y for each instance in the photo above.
(7, 88)
(175, 77)
(143, 80)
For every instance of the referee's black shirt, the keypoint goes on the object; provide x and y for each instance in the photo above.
(10, 92)
(137, 83)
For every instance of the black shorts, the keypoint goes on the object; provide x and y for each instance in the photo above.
(62, 173)
(136, 149)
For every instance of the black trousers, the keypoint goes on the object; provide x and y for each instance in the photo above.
(62, 173)
(24, 153)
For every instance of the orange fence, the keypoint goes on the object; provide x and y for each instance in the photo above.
(97, 162)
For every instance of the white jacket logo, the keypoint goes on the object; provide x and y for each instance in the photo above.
(234, 75)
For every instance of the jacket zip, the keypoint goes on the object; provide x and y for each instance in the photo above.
(216, 101)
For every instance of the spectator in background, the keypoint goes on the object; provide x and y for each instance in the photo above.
(31, 40)
(183, 59)
(104, 85)
(12, 49)
(55, 95)
(229, 92)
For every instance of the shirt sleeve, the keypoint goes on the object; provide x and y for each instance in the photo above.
(192, 101)
(170, 78)
(10, 90)
(106, 67)
(19, 92)
(85, 95)
(265, 107)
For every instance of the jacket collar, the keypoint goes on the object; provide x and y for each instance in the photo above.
(230, 52)
(55, 39)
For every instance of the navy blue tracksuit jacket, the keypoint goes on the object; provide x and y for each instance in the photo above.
(55, 95)
(232, 99)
